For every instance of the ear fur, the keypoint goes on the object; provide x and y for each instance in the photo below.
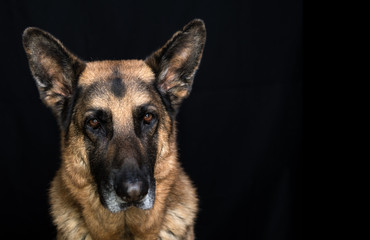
(53, 67)
(176, 63)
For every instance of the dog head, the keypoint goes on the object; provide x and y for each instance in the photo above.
(116, 117)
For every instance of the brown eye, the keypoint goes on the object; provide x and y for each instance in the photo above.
(94, 123)
(148, 118)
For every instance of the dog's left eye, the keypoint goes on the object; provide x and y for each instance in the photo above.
(94, 123)
(148, 118)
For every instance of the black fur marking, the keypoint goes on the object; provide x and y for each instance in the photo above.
(171, 233)
(165, 100)
(117, 87)
(148, 135)
(141, 130)
(105, 131)
(179, 217)
(127, 233)
(97, 160)
(152, 148)
(67, 111)
(167, 104)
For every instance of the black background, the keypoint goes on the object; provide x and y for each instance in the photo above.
(240, 131)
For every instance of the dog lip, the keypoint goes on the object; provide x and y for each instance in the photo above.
(123, 206)
(117, 204)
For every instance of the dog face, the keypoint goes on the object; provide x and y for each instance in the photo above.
(117, 117)
(119, 114)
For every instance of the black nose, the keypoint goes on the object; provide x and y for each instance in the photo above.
(133, 191)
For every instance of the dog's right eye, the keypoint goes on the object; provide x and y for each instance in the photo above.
(94, 123)
(148, 118)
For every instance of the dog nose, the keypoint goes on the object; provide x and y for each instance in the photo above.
(133, 191)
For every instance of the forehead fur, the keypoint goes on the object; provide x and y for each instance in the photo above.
(128, 70)
(120, 86)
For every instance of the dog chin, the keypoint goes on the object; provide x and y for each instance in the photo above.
(115, 204)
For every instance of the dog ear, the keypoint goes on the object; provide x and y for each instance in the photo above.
(176, 62)
(53, 67)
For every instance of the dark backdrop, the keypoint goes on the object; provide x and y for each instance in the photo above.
(240, 132)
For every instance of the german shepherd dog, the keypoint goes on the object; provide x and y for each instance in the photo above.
(119, 176)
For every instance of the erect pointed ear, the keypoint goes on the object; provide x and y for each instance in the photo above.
(176, 62)
(53, 67)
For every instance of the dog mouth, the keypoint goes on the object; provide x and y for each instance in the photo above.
(115, 203)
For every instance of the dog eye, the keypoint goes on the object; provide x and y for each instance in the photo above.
(94, 123)
(148, 118)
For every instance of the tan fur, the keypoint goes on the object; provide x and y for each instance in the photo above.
(76, 209)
